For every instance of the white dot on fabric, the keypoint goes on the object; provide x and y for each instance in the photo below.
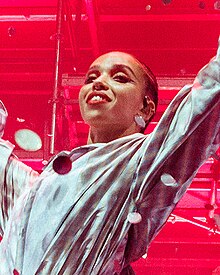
(168, 180)
(144, 256)
(134, 217)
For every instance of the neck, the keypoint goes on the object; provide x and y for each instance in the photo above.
(103, 136)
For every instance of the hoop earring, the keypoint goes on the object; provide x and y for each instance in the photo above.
(139, 121)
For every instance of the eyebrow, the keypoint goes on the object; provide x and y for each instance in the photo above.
(120, 67)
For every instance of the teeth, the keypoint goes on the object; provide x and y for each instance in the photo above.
(97, 98)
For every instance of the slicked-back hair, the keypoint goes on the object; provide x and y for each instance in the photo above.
(151, 89)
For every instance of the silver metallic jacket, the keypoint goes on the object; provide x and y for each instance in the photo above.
(104, 213)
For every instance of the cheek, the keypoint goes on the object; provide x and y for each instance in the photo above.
(132, 100)
(81, 92)
(81, 97)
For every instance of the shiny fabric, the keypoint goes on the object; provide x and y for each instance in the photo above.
(15, 177)
(78, 223)
(3, 118)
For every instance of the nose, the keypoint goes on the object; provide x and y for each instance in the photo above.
(99, 84)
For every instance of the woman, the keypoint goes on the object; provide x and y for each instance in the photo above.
(96, 209)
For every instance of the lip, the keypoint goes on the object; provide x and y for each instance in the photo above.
(105, 98)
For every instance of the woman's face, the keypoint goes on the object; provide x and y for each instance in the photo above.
(113, 92)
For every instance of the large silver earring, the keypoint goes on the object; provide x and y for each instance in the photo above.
(139, 121)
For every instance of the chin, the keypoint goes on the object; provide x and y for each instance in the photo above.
(95, 122)
(95, 118)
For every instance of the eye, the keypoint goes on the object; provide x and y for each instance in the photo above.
(122, 78)
(90, 78)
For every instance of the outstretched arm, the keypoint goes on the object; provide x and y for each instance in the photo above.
(186, 136)
(14, 175)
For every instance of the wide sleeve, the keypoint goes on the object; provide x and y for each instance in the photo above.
(186, 136)
(3, 118)
(15, 177)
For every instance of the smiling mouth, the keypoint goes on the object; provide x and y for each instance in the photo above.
(95, 98)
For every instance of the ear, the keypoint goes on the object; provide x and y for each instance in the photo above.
(149, 110)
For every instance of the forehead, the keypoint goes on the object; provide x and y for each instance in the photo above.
(108, 60)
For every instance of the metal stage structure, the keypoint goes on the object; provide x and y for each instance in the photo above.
(46, 47)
